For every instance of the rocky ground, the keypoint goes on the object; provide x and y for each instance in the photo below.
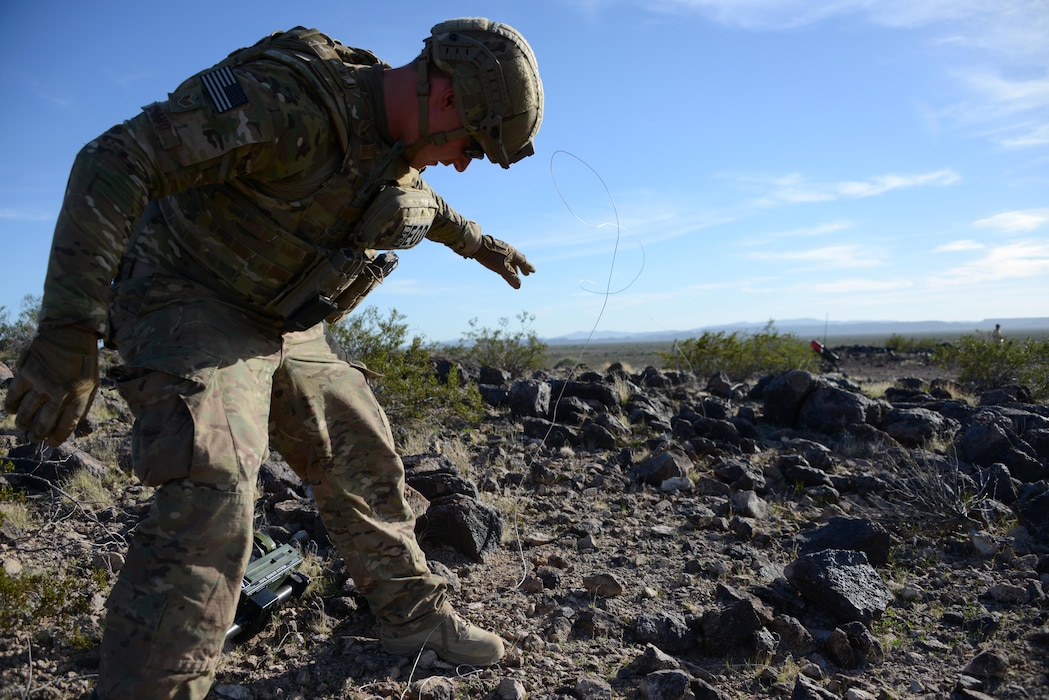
(665, 545)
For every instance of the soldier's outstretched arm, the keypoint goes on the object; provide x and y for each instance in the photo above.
(465, 237)
(503, 259)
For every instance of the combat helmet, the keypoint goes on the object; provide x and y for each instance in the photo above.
(496, 82)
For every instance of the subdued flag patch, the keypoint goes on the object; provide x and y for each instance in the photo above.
(223, 89)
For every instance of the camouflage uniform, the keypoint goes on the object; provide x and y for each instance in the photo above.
(245, 176)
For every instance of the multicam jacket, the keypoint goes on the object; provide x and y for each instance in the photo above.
(254, 168)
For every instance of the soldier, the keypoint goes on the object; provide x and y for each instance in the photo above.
(207, 239)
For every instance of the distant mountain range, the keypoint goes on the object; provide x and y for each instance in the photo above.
(815, 328)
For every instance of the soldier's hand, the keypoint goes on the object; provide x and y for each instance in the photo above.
(503, 259)
(56, 380)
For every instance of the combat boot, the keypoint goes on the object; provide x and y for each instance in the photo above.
(453, 639)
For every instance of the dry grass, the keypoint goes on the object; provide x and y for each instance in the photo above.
(86, 488)
(19, 515)
(937, 493)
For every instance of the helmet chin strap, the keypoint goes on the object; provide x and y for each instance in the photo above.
(422, 89)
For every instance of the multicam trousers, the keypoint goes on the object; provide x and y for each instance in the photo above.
(212, 390)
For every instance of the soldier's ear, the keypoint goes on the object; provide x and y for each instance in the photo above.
(446, 99)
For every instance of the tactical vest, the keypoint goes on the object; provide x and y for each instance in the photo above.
(256, 239)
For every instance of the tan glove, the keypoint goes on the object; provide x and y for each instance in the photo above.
(504, 259)
(56, 381)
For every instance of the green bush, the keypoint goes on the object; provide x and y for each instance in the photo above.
(15, 336)
(516, 352)
(984, 363)
(742, 356)
(408, 389)
(49, 603)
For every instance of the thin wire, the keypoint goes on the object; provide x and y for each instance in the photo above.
(606, 295)
(619, 231)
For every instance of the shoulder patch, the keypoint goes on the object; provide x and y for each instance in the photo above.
(223, 89)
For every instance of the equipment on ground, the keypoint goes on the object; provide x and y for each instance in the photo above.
(824, 352)
(271, 579)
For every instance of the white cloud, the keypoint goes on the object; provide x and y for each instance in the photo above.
(1016, 260)
(19, 215)
(958, 246)
(1034, 136)
(805, 232)
(1014, 28)
(990, 39)
(798, 189)
(754, 14)
(829, 257)
(1012, 112)
(1013, 95)
(1015, 221)
(886, 183)
(858, 285)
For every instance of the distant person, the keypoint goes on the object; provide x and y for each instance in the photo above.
(208, 239)
(996, 334)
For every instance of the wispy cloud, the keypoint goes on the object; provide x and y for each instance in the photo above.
(1023, 221)
(1011, 95)
(20, 215)
(1008, 27)
(995, 41)
(848, 286)
(799, 189)
(752, 14)
(1014, 112)
(958, 247)
(1016, 260)
(1031, 136)
(816, 231)
(829, 257)
(126, 79)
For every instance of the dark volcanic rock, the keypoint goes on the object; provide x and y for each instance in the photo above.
(465, 524)
(842, 582)
(858, 534)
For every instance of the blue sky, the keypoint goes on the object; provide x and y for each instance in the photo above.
(700, 161)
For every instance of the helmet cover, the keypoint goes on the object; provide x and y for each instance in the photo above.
(494, 74)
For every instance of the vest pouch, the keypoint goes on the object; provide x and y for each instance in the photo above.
(397, 218)
(373, 274)
(311, 299)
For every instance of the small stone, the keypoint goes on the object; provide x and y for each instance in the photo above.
(676, 484)
(663, 531)
(988, 664)
(604, 585)
(510, 689)
(1008, 594)
(592, 689)
(858, 694)
(434, 688)
(233, 692)
(535, 539)
(910, 593)
(983, 542)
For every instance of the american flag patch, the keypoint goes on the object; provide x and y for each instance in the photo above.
(223, 89)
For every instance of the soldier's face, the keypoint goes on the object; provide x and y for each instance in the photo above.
(452, 153)
(443, 116)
